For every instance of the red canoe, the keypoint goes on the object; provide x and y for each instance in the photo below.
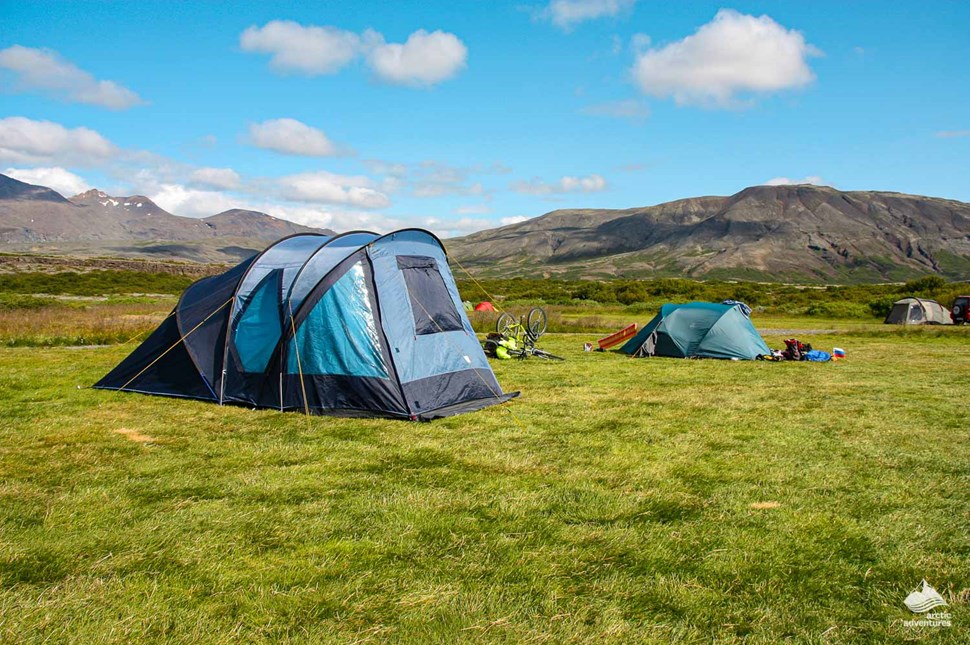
(615, 339)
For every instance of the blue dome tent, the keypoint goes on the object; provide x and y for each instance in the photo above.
(698, 330)
(357, 324)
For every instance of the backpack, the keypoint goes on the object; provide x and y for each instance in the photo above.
(795, 350)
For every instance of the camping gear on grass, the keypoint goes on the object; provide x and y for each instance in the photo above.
(917, 311)
(357, 324)
(485, 306)
(698, 330)
(519, 335)
(838, 353)
(499, 346)
(618, 337)
(817, 356)
(795, 350)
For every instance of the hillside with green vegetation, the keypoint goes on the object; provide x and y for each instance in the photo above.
(802, 233)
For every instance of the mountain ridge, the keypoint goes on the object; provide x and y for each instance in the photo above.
(796, 233)
(38, 219)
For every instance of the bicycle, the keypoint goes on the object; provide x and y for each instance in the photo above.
(525, 332)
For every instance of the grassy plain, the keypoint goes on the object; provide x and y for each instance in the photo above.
(617, 500)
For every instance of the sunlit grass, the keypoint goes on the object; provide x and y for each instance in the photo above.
(617, 500)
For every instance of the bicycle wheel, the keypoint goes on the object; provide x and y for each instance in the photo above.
(539, 353)
(537, 321)
(504, 322)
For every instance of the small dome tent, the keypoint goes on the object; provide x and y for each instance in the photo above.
(357, 324)
(485, 306)
(698, 330)
(916, 311)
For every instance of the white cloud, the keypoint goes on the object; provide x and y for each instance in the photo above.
(590, 184)
(785, 181)
(424, 59)
(568, 13)
(473, 209)
(47, 71)
(330, 188)
(24, 140)
(63, 181)
(630, 109)
(506, 221)
(295, 48)
(953, 134)
(225, 178)
(189, 202)
(293, 137)
(731, 55)
(455, 228)
(432, 178)
(639, 42)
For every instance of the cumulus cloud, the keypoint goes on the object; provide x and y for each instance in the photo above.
(640, 42)
(424, 59)
(630, 109)
(566, 14)
(515, 219)
(225, 178)
(589, 184)
(25, 141)
(430, 178)
(473, 209)
(61, 180)
(190, 202)
(329, 188)
(307, 49)
(292, 137)
(735, 54)
(786, 181)
(45, 70)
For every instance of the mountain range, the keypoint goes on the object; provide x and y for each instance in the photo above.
(38, 219)
(799, 233)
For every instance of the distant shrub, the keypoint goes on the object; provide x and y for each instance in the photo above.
(880, 307)
(927, 285)
(93, 283)
(839, 310)
(15, 301)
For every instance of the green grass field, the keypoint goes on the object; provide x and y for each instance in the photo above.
(617, 500)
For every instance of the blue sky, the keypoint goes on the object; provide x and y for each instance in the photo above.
(464, 115)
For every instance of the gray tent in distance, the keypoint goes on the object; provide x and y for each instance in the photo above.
(917, 311)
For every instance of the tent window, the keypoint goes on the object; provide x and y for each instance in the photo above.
(339, 336)
(258, 327)
(916, 312)
(431, 304)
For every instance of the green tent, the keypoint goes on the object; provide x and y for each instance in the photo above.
(698, 330)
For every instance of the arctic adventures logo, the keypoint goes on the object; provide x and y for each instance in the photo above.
(922, 601)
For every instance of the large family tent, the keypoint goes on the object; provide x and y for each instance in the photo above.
(357, 324)
(698, 330)
(916, 311)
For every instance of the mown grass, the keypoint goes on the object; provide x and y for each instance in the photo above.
(617, 500)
